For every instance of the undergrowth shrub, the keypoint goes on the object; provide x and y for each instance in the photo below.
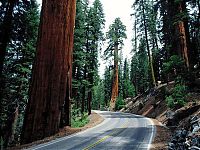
(177, 98)
(119, 103)
(79, 121)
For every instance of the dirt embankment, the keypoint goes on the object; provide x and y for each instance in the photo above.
(153, 105)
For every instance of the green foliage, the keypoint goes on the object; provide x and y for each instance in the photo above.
(175, 63)
(79, 120)
(115, 36)
(107, 85)
(128, 88)
(98, 101)
(119, 103)
(140, 68)
(1, 143)
(177, 98)
(18, 65)
(174, 67)
(87, 40)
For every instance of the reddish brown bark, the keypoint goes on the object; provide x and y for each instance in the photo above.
(181, 37)
(50, 91)
(178, 30)
(114, 94)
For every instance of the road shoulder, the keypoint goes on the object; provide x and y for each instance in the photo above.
(94, 118)
(161, 136)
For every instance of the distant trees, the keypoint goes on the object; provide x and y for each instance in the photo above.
(115, 36)
(127, 87)
(88, 38)
(163, 29)
(50, 92)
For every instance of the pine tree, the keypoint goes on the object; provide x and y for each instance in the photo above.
(96, 24)
(143, 14)
(17, 70)
(79, 55)
(128, 88)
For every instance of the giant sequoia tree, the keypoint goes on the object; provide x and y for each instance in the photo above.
(50, 91)
(115, 35)
(177, 15)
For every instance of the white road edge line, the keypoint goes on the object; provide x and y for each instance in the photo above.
(152, 134)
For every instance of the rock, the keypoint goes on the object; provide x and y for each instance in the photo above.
(187, 139)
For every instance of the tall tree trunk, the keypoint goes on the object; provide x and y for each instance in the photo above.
(179, 39)
(9, 129)
(148, 48)
(135, 79)
(50, 90)
(83, 99)
(114, 94)
(90, 101)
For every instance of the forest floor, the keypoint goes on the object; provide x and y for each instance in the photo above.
(94, 118)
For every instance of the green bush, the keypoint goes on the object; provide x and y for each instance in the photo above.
(79, 121)
(177, 98)
(170, 101)
(119, 103)
(174, 63)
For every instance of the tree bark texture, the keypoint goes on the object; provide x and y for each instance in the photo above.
(114, 94)
(50, 92)
(179, 39)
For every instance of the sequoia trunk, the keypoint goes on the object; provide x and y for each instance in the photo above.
(181, 37)
(115, 80)
(50, 90)
(178, 30)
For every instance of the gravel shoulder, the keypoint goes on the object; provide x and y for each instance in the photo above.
(161, 137)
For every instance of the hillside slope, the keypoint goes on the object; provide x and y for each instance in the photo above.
(152, 104)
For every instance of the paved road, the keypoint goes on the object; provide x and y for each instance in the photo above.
(119, 131)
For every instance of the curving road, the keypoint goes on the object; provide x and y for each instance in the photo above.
(119, 131)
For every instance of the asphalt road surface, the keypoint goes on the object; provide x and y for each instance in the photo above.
(119, 131)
